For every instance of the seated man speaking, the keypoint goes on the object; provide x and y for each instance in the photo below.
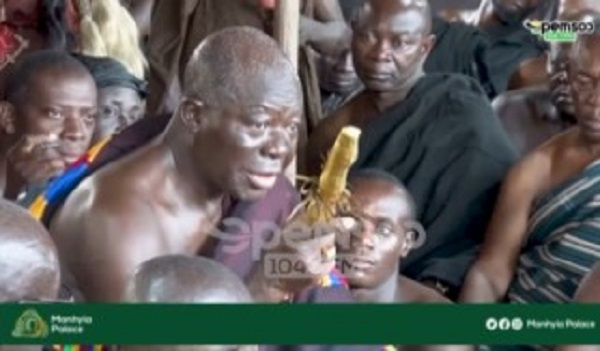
(232, 135)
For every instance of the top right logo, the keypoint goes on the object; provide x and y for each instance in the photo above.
(559, 31)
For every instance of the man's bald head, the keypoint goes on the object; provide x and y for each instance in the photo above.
(390, 8)
(186, 279)
(587, 40)
(234, 64)
(239, 119)
(29, 267)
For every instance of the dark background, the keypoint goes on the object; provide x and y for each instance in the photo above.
(436, 5)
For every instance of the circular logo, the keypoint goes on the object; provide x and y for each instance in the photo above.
(491, 324)
(517, 324)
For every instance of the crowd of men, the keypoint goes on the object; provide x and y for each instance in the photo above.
(477, 178)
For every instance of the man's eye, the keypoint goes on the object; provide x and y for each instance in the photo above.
(259, 125)
(109, 111)
(54, 114)
(385, 230)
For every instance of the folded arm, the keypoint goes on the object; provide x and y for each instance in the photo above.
(327, 30)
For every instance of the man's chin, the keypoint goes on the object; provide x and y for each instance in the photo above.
(250, 194)
(360, 280)
(379, 86)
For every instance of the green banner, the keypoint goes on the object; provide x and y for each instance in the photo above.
(299, 324)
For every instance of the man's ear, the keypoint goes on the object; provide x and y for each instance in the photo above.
(408, 243)
(428, 44)
(7, 117)
(191, 114)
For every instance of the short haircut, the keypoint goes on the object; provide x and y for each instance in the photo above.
(186, 279)
(22, 75)
(28, 257)
(587, 16)
(222, 66)
(422, 6)
(381, 175)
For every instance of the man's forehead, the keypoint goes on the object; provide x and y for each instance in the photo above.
(381, 202)
(401, 20)
(587, 51)
(50, 78)
(270, 92)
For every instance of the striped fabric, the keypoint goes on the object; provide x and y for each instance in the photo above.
(56, 192)
(334, 279)
(563, 242)
(61, 187)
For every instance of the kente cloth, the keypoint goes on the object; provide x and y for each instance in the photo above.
(563, 241)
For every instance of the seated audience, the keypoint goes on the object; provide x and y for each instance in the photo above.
(542, 238)
(534, 115)
(492, 60)
(436, 133)
(382, 229)
(337, 79)
(49, 116)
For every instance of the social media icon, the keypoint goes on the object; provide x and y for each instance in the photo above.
(491, 324)
(517, 324)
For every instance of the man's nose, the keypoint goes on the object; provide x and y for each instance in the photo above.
(365, 236)
(74, 127)
(382, 51)
(278, 146)
(345, 63)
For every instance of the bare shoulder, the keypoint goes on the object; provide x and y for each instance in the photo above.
(414, 292)
(98, 233)
(534, 173)
(100, 202)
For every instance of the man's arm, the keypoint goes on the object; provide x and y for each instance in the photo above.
(489, 278)
(327, 30)
(100, 243)
(531, 72)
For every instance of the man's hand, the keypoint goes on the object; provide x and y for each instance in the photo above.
(35, 159)
(304, 254)
(328, 38)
